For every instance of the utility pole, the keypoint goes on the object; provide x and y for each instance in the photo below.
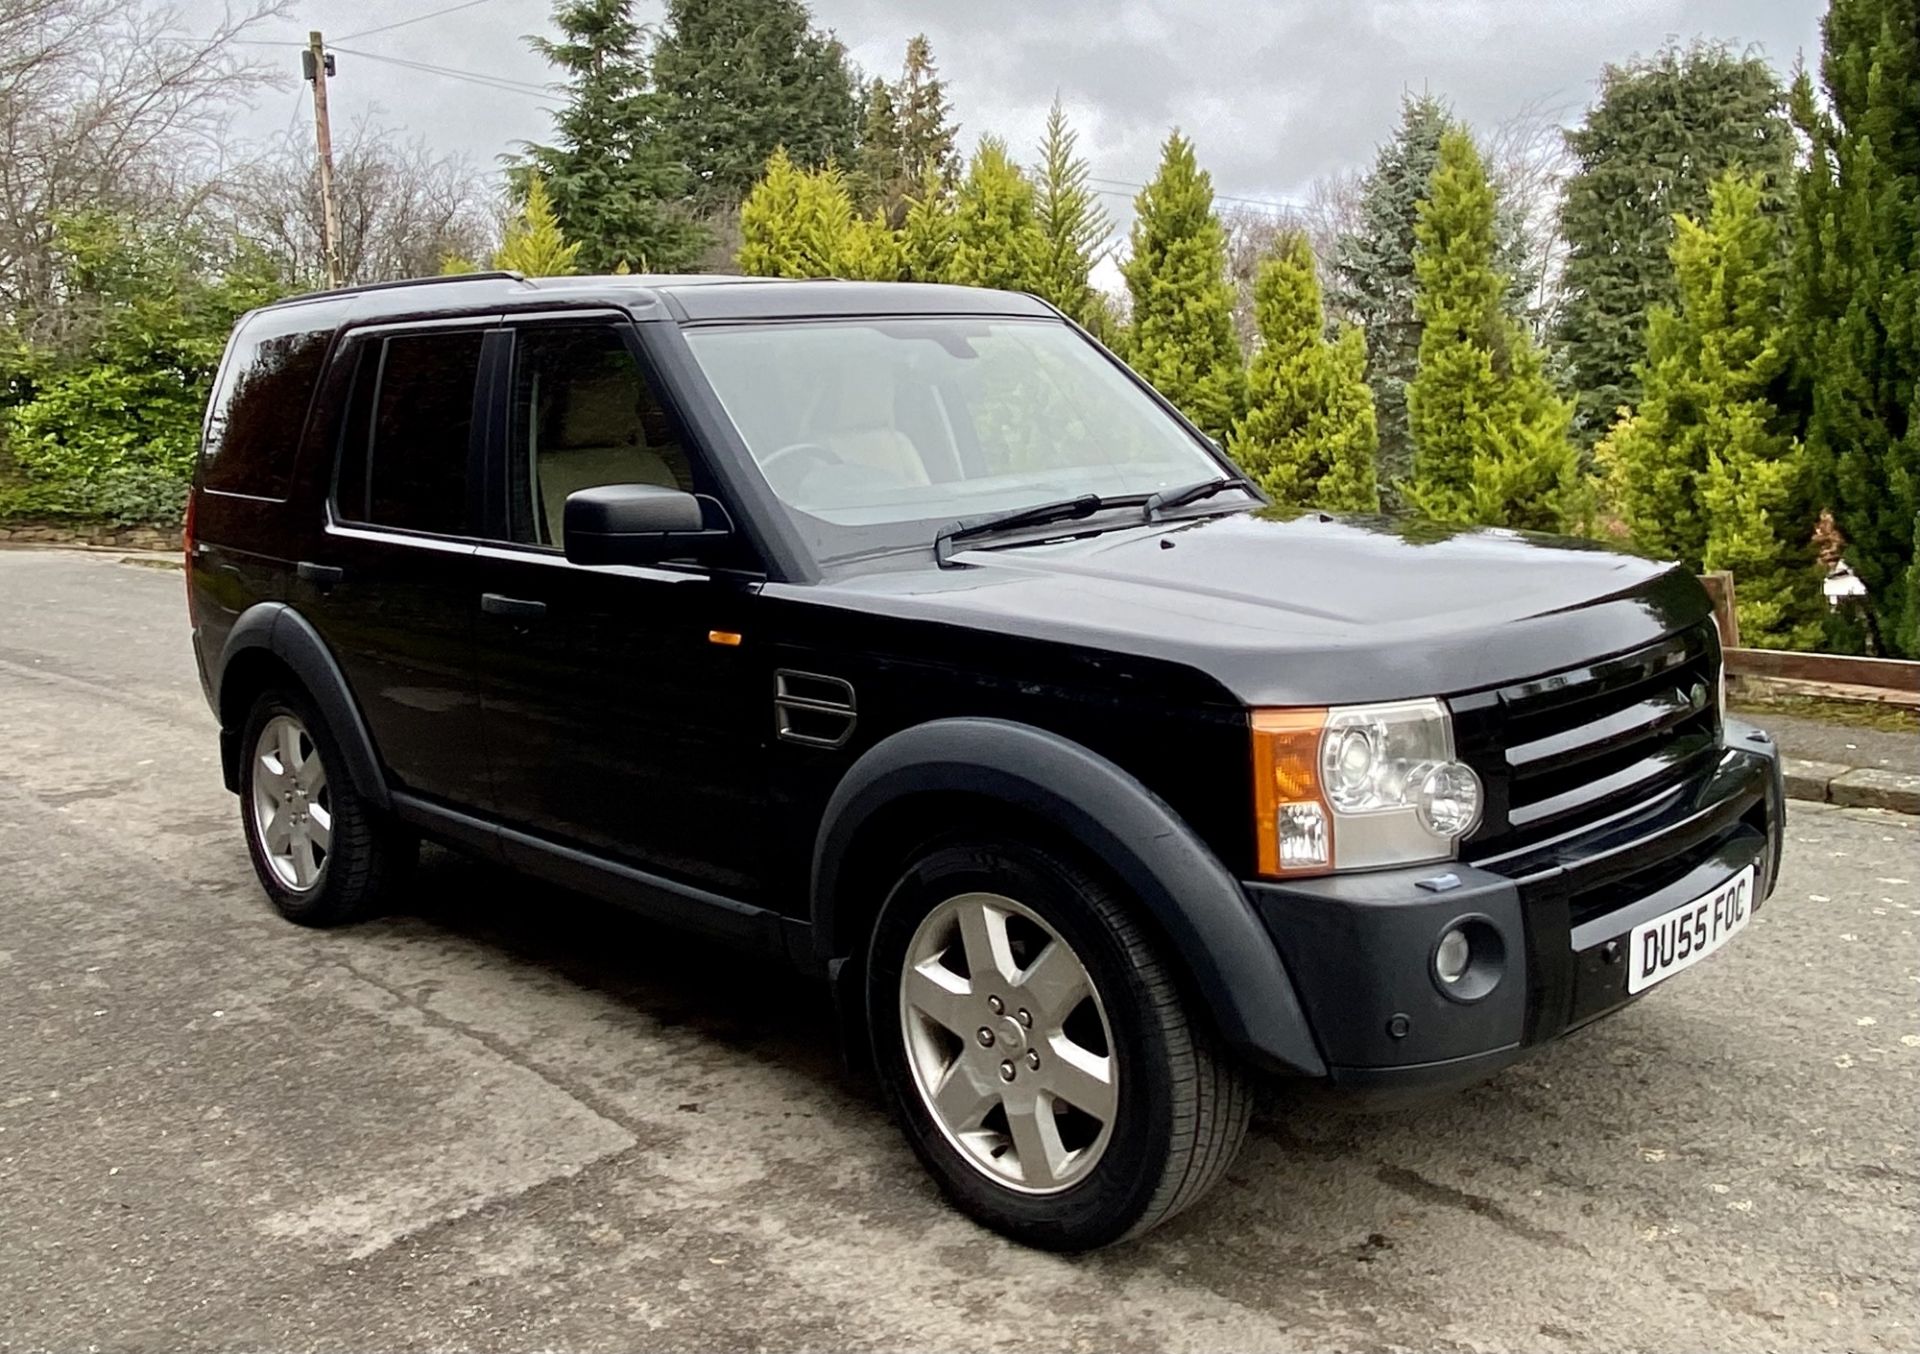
(317, 66)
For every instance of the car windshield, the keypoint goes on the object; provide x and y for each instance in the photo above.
(875, 433)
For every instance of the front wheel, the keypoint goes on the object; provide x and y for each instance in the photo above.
(1038, 1052)
(323, 853)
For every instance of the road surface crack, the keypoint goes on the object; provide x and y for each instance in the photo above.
(1417, 1186)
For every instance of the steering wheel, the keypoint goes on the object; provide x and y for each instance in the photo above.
(811, 451)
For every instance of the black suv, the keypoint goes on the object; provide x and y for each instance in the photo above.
(905, 634)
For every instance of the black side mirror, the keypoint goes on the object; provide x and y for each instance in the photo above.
(637, 524)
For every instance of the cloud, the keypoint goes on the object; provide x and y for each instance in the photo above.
(1275, 93)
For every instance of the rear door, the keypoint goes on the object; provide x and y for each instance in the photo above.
(392, 589)
(621, 711)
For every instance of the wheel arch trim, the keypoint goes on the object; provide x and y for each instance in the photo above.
(277, 629)
(1201, 909)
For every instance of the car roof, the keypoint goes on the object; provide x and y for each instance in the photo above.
(681, 296)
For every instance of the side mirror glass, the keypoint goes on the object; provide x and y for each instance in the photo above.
(637, 524)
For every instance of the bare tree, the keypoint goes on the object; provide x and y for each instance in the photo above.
(108, 105)
(1330, 210)
(403, 210)
(1529, 162)
(1251, 232)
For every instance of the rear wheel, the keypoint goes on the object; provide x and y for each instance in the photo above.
(322, 852)
(1038, 1052)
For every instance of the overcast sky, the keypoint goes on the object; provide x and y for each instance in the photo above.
(1275, 93)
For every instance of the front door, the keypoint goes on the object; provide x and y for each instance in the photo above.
(620, 712)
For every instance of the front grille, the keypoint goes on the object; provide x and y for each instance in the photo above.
(1561, 751)
(1589, 904)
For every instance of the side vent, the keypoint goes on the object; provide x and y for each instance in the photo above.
(811, 709)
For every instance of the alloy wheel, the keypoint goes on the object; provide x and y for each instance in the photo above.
(1008, 1042)
(292, 811)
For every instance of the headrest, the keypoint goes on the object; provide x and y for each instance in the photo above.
(601, 411)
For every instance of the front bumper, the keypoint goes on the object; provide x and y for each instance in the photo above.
(1360, 947)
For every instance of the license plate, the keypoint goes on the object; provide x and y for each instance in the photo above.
(1683, 937)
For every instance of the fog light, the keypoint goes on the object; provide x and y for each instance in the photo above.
(1469, 959)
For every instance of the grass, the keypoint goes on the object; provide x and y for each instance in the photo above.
(1850, 714)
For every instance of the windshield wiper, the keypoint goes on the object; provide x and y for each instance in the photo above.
(1192, 493)
(1064, 510)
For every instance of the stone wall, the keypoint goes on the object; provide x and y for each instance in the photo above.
(76, 533)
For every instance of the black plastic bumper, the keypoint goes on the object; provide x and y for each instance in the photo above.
(1556, 918)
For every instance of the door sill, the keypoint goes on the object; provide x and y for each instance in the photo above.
(653, 896)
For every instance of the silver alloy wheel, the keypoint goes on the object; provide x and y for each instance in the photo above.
(292, 811)
(1009, 1044)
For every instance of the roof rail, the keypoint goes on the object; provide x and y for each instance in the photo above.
(492, 275)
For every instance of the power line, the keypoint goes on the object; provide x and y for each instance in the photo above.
(237, 42)
(1270, 204)
(471, 77)
(480, 78)
(417, 19)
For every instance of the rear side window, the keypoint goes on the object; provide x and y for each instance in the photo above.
(404, 458)
(259, 406)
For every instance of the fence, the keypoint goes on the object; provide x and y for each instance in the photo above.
(1894, 681)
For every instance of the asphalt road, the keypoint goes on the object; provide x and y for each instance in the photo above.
(508, 1118)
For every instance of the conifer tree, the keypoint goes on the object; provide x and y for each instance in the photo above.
(906, 134)
(1707, 470)
(997, 241)
(533, 243)
(1857, 301)
(927, 132)
(1754, 494)
(1181, 334)
(927, 235)
(741, 78)
(876, 172)
(1489, 434)
(617, 186)
(1071, 220)
(1718, 347)
(1373, 279)
(1662, 131)
(1308, 434)
(872, 251)
(801, 223)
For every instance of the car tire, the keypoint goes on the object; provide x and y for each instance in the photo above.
(1117, 1107)
(324, 854)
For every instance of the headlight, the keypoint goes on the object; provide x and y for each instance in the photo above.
(1359, 786)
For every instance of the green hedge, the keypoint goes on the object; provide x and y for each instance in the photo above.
(101, 422)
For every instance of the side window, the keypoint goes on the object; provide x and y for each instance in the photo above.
(583, 415)
(404, 458)
(259, 407)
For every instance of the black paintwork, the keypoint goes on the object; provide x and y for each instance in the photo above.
(579, 722)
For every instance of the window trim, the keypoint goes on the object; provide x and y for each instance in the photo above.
(350, 346)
